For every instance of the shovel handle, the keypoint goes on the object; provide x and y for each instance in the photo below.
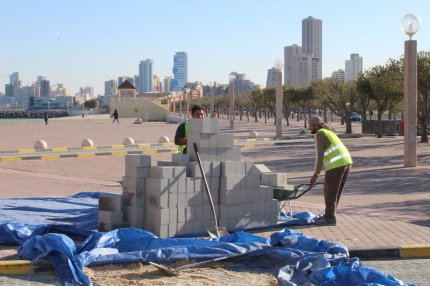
(206, 184)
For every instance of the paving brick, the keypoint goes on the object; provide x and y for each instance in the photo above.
(134, 199)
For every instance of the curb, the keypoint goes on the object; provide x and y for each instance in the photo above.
(363, 253)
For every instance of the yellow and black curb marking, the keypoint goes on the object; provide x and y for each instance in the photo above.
(376, 252)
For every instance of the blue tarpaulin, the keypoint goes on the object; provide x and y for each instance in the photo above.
(298, 259)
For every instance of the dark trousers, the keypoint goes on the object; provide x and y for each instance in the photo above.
(334, 183)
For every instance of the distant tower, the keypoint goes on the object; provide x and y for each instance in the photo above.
(353, 67)
(111, 87)
(15, 79)
(145, 75)
(289, 53)
(44, 88)
(312, 39)
(180, 71)
(167, 84)
(338, 75)
(271, 77)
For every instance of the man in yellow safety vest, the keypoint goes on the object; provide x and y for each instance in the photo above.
(337, 162)
(182, 130)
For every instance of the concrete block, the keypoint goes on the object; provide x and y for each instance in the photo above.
(192, 157)
(157, 185)
(173, 229)
(232, 222)
(260, 220)
(111, 226)
(156, 216)
(198, 184)
(247, 209)
(182, 200)
(269, 193)
(268, 207)
(137, 172)
(238, 198)
(265, 179)
(191, 199)
(204, 154)
(249, 167)
(240, 210)
(248, 195)
(263, 193)
(190, 214)
(229, 183)
(181, 215)
(261, 207)
(198, 213)
(229, 154)
(286, 187)
(180, 183)
(221, 140)
(242, 182)
(271, 219)
(220, 154)
(257, 180)
(173, 201)
(161, 230)
(134, 199)
(229, 140)
(207, 168)
(274, 206)
(226, 197)
(110, 202)
(214, 183)
(225, 222)
(277, 179)
(212, 155)
(134, 215)
(162, 172)
(110, 216)
(246, 222)
(207, 212)
(193, 137)
(181, 228)
(214, 125)
(255, 194)
(240, 166)
(237, 153)
(157, 200)
(212, 140)
(249, 181)
(180, 159)
(228, 169)
(216, 169)
(130, 184)
(189, 227)
(194, 170)
(224, 211)
(199, 125)
(204, 140)
(137, 160)
(162, 163)
(173, 185)
(173, 216)
(197, 226)
(207, 224)
(189, 185)
(260, 169)
(180, 172)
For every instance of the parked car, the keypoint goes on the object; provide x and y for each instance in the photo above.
(355, 117)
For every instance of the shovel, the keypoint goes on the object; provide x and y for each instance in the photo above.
(175, 271)
(217, 231)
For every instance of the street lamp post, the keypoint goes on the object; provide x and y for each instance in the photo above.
(199, 99)
(187, 92)
(211, 104)
(231, 79)
(174, 104)
(410, 24)
(279, 64)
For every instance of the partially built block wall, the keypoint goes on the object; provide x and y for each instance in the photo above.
(170, 199)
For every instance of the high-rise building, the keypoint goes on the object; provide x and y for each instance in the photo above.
(156, 83)
(353, 67)
(121, 79)
(289, 53)
(241, 83)
(338, 75)
(15, 79)
(312, 38)
(167, 84)
(180, 71)
(145, 76)
(271, 77)
(302, 68)
(45, 88)
(111, 87)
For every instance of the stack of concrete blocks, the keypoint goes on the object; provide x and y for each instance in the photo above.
(110, 213)
(243, 202)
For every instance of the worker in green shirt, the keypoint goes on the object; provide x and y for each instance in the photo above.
(337, 162)
(182, 130)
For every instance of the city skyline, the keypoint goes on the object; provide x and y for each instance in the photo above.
(85, 44)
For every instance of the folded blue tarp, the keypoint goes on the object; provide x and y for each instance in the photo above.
(48, 226)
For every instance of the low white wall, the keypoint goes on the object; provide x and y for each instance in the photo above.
(175, 119)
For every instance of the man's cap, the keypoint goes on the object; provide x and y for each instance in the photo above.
(316, 120)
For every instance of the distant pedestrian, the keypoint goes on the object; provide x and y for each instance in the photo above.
(46, 118)
(115, 115)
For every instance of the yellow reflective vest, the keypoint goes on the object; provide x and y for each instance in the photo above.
(182, 147)
(337, 154)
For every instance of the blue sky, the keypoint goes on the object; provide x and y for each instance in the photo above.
(84, 43)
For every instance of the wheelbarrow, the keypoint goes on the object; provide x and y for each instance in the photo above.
(285, 196)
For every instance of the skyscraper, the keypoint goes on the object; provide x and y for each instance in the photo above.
(15, 79)
(180, 71)
(111, 87)
(289, 53)
(45, 88)
(312, 39)
(271, 77)
(145, 76)
(353, 67)
(167, 84)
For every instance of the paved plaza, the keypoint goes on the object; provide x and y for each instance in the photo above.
(383, 203)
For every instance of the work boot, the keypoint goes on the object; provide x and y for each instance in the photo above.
(325, 221)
